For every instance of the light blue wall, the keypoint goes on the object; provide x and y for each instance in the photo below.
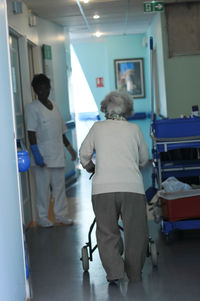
(12, 278)
(129, 46)
(97, 60)
(93, 59)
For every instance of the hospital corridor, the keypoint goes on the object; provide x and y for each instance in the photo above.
(114, 83)
(57, 273)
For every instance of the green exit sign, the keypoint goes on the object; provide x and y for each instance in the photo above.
(153, 6)
(47, 54)
(158, 6)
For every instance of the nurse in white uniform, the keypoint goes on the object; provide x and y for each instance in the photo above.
(46, 132)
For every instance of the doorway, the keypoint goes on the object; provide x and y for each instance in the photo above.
(19, 121)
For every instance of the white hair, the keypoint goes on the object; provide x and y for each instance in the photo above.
(117, 103)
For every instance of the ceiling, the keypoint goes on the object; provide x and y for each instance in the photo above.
(117, 17)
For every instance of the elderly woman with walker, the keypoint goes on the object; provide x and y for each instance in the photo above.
(117, 187)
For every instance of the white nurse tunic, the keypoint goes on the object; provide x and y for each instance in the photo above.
(49, 128)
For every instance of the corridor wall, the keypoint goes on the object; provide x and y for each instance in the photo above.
(182, 75)
(12, 265)
(159, 84)
(97, 56)
(97, 60)
(48, 33)
(178, 86)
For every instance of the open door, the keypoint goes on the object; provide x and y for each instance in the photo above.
(19, 120)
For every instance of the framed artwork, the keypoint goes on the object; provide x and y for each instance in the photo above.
(129, 76)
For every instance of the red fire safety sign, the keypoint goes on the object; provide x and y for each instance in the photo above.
(99, 82)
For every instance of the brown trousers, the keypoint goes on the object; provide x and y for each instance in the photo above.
(108, 207)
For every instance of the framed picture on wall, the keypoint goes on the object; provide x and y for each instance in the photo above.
(129, 76)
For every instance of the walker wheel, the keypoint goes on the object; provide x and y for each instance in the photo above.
(85, 259)
(154, 254)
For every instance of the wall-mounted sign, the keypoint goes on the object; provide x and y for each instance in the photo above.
(47, 54)
(154, 6)
(99, 82)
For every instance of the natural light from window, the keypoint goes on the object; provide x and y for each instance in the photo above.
(82, 103)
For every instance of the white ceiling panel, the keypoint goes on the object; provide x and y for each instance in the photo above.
(116, 16)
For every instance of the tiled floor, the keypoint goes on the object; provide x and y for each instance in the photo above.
(56, 269)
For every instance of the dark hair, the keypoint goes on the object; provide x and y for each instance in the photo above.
(40, 79)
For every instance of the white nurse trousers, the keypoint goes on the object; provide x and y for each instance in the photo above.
(44, 177)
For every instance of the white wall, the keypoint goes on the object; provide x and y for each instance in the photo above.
(54, 35)
(155, 30)
(182, 79)
(51, 34)
(12, 273)
(19, 22)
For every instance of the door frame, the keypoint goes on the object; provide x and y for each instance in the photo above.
(27, 98)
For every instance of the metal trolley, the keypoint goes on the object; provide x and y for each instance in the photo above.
(175, 134)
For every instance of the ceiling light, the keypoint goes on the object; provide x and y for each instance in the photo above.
(32, 20)
(85, 1)
(61, 38)
(96, 16)
(98, 34)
